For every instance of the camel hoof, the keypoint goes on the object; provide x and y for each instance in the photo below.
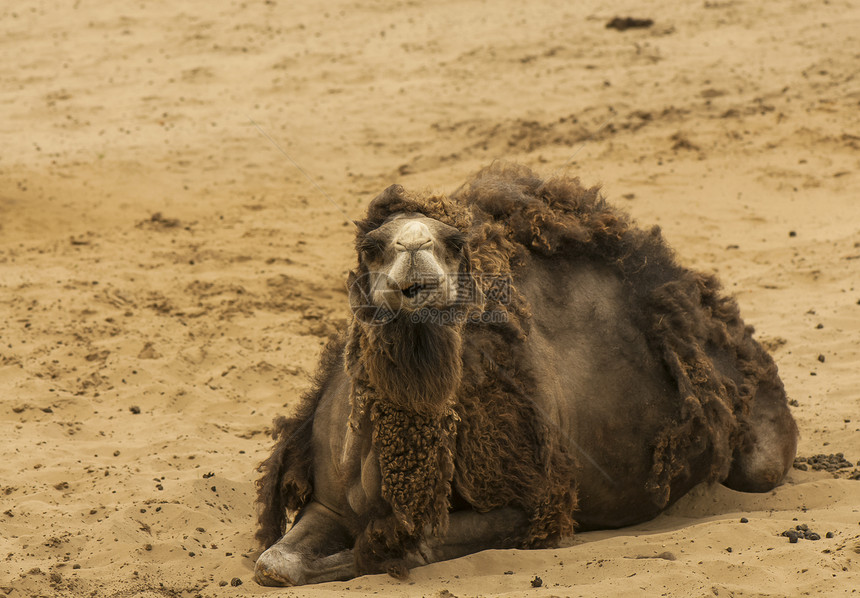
(276, 569)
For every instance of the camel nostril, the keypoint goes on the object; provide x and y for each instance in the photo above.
(413, 247)
(414, 236)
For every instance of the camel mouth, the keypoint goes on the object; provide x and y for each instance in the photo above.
(413, 290)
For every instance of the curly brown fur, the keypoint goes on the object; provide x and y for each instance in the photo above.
(416, 467)
(681, 311)
(505, 453)
(412, 425)
(286, 483)
(396, 199)
(416, 463)
(416, 367)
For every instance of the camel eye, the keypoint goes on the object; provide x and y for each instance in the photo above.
(456, 242)
(370, 247)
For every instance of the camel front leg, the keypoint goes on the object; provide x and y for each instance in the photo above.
(470, 532)
(318, 548)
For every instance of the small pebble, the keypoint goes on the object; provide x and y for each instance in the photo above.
(832, 462)
(134, 409)
(744, 520)
(537, 582)
(235, 582)
(800, 532)
(828, 535)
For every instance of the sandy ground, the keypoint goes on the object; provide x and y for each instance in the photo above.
(169, 276)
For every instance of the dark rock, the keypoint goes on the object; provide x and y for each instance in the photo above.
(625, 23)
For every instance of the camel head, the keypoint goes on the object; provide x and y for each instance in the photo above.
(410, 265)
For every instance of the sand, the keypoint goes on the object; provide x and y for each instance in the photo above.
(169, 274)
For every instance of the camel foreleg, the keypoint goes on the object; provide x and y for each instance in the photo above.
(469, 532)
(315, 549)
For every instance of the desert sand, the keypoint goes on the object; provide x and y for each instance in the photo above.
(169, 274)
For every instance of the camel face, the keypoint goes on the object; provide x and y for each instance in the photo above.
(412, 262)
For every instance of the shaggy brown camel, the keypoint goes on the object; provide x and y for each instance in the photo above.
(522, 362)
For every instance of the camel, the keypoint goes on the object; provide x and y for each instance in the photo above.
(523, 363)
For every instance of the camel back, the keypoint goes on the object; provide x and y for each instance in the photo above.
(681, 312)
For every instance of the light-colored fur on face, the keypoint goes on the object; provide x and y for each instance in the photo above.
(414, 263)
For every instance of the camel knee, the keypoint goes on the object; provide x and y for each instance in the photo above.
(757, 471)
(767, 453)
(761, 465)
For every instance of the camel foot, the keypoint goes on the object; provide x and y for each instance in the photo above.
(274, 568)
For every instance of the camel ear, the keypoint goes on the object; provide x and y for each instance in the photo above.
(380, 207)
(391, 193)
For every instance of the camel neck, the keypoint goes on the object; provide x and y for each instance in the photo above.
(415, 367)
